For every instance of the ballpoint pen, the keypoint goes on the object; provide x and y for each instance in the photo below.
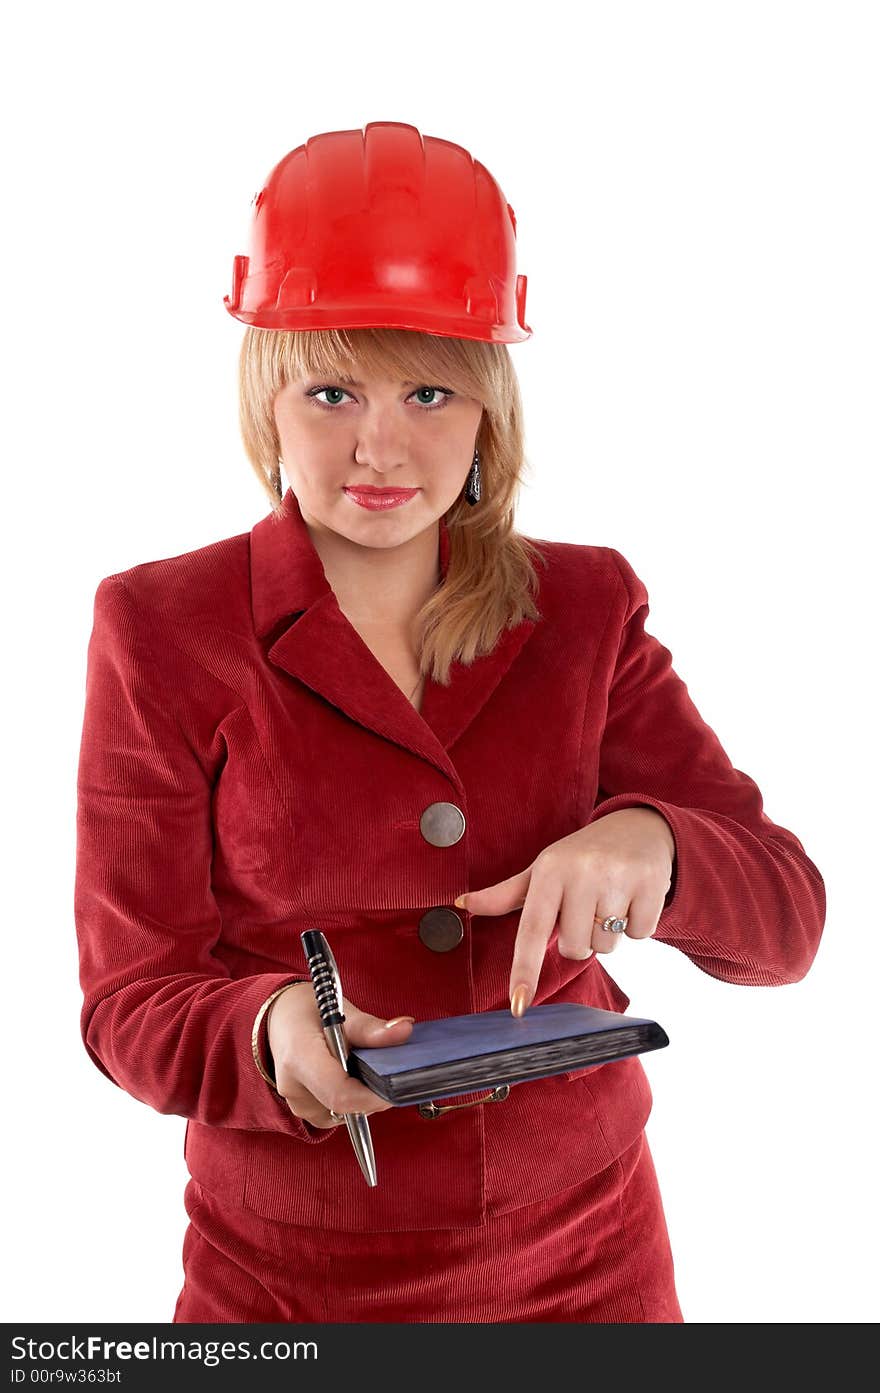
(328, 994)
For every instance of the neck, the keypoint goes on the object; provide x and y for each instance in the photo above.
(379, 585)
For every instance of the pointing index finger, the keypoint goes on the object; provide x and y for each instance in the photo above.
(533, 935)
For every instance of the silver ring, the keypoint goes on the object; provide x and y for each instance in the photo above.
(613, 924)
(337, 1117)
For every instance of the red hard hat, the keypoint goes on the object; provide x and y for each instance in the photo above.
(382, 227)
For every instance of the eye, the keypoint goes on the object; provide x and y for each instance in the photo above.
(339, 392)
(316, 392)
(433, 405)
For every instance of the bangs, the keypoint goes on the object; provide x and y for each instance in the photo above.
(473, 368)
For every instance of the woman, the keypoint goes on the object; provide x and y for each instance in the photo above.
(385, 714)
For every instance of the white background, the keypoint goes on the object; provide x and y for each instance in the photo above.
(695, 186)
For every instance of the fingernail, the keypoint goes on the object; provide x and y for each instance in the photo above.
(397, 1020)
(519, 1000)
(460, 902)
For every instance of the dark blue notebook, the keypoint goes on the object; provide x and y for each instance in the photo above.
(460, 1054)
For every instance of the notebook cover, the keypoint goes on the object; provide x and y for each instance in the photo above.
(460, 1054)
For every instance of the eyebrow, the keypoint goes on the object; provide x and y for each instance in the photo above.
(351, 382)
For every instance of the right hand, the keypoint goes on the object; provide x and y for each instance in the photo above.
(309, 1078)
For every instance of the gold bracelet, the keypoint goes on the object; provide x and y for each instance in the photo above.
(256, 1030)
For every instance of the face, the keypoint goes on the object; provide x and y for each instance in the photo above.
(338, 436)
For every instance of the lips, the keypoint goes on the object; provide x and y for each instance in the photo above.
(374, 498)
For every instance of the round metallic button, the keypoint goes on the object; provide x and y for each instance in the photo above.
(440, 929)
(442, 824)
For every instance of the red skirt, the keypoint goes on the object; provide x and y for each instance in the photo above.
(595, 1252)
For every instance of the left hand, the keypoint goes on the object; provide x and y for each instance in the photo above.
(621, 864)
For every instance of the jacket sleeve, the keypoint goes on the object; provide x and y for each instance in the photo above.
(162, 1016)
(746, 904)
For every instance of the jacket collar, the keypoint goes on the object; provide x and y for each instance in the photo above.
(306, 634)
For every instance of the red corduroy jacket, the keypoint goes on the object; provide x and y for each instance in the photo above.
(248, 770)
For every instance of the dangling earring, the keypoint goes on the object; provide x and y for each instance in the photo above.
(473, 487)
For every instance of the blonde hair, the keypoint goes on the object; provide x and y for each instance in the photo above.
(491, 578)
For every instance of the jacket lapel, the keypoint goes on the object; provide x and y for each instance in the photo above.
(306, 634)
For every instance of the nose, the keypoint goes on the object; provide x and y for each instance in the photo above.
(382, 442)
